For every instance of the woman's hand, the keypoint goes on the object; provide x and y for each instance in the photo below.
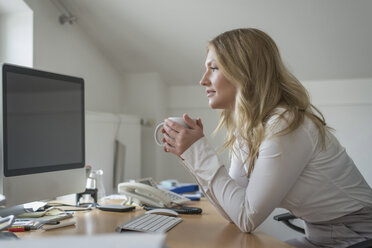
(178, 138)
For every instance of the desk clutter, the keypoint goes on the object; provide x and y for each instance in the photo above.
(50, 218)
(45, 219)
(90, 227)
(163, 203)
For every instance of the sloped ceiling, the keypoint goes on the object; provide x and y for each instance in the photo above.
(318, 39)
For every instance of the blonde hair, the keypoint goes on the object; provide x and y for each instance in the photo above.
(250, 60)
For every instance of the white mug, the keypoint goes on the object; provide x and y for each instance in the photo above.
(178, 120)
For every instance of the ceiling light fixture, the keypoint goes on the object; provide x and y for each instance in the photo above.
(66, 15)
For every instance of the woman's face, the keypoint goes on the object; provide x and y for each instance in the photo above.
(220, 92)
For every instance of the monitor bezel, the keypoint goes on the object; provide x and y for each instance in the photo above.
(46, 168)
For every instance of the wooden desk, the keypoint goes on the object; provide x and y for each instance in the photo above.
(206, 230)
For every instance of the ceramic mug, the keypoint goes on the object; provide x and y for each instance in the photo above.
(178, 120)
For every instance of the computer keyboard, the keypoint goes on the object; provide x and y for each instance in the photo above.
(150, 223)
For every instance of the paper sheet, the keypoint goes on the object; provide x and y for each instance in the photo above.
(138, 240)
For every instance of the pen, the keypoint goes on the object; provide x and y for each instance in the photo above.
(62, 224)
(52, 223)
(19, 229)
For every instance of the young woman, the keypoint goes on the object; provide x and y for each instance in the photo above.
(282, 152)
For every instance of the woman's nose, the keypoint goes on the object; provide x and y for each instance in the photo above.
(204, 81)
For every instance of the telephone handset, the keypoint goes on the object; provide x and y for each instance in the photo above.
(143, 194)
(144, 191)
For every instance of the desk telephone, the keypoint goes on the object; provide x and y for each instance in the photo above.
(145, 192)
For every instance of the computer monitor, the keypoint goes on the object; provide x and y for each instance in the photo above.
(42, 137)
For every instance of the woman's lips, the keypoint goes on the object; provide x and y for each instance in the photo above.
(210, 93)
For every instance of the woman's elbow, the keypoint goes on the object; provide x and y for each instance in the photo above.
(246, 229)
(246, 226)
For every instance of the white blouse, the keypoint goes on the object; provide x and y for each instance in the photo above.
(291, 172)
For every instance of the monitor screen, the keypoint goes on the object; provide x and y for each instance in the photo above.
(43, 134)
(43, 124)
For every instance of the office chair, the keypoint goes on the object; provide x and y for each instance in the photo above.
(286, 217)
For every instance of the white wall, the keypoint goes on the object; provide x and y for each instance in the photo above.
(346, 105)
(68, 50)
(16, 37)
(146, 96)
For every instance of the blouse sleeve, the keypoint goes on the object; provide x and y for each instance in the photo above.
(237, 170)
(280, 162)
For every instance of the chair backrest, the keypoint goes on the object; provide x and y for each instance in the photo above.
(363, 244)
(284, 218)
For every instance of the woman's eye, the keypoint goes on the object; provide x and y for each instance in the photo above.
(213, 69)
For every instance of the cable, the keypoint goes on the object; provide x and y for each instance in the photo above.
(181, 210)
